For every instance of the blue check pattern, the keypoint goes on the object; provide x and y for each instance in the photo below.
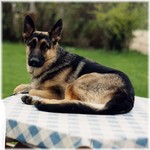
(55, 130)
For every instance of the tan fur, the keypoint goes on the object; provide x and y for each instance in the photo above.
(22, 88)
(69, 93)
(43, 40)
(43, 93)
(49, 55)
(57, 80)
(94, 87)
(91, 88)
(67, 82)
(64, 101)
(50, 58)
(38, 32)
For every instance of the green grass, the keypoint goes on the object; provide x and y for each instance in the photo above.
(134, 64)
(13, 67)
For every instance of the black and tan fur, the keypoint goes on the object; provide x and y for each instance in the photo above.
(68, 83)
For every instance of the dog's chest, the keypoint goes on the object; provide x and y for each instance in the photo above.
(60, 79)
(35, 84)
(57, 88)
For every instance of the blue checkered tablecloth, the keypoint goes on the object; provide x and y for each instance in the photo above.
(55, 130)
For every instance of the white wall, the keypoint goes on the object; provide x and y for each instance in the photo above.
(140, 41)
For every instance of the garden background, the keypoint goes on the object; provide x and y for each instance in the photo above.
(100, 31)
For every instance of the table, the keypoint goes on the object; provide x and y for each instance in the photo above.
(2, 125)
(55, 130)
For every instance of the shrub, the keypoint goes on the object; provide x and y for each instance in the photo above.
(98, 25)
(114, 23)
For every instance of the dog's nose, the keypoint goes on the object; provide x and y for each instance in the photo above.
(34, 62)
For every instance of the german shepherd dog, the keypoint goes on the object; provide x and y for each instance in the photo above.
(68, 83)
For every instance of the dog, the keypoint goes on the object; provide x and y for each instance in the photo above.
(68, 83)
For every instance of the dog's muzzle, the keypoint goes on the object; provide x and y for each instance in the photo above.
(35, 62)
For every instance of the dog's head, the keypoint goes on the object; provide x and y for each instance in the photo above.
(40, 44)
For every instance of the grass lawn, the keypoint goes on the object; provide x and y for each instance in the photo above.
(134, 64)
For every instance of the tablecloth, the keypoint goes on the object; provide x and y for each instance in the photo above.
(55, 130)
(2, 125)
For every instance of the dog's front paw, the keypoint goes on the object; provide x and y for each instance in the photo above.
(23, 88)
(27, 100)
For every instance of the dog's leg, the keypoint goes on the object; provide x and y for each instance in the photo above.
(23, 88)
(71, 103)
(47, 94)
(31, 101)
(63, 106)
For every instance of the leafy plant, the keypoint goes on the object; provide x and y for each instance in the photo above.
(98, 24)
(114, 23)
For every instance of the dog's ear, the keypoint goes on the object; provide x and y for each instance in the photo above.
(29, 27)
(55, 32)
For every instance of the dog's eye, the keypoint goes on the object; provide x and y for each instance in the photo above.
(44, 46)
(32, 44)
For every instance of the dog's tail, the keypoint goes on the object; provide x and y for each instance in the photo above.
(118, 105)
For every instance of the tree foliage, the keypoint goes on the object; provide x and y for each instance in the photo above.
(102, 25)
(117, 21)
